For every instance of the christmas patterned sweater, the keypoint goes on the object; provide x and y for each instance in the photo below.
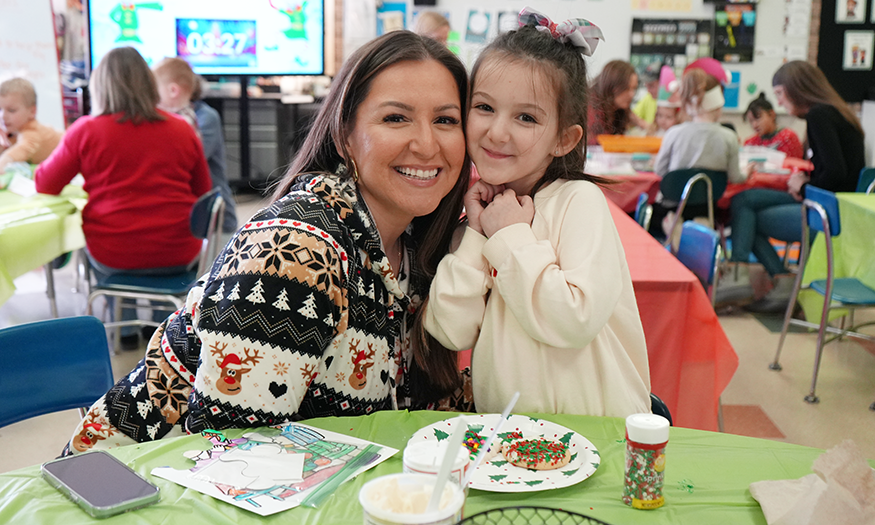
(299, 317)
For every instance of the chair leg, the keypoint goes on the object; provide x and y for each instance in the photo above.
(775, 365)
(720, 414)
(824, 319)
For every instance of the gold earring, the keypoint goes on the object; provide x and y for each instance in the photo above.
(355, 171)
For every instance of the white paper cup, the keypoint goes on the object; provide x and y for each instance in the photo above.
(409, 487)
(425, 457)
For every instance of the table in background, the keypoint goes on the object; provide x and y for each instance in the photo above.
(706, 479)
(853, 250)
(629, 186)
(35, 230)
(691, 359)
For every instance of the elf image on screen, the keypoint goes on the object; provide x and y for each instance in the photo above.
(297, 18)
(125, 15)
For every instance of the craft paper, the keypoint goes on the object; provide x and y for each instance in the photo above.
(271, 470)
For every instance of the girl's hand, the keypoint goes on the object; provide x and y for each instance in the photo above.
(506, 209)
(795, 182)
(476, 199)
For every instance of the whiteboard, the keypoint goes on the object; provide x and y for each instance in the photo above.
(28, 49)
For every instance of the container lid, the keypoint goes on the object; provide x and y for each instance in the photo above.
(428, 455)
(648, 429)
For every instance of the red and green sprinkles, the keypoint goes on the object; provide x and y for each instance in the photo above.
(533, 452)
(645, 471)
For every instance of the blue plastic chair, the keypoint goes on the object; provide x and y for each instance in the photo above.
(820, 212)
(699, 250)
(685, 187)
(167, 289)
(643, 211)
(866, 182)
(53, 365)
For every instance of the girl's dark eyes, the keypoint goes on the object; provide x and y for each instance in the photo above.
(528, 118)
(394, 118)
(483, 107)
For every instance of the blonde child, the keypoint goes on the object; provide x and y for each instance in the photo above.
(539, 285)
(23, 138)
(667, 104)
(179, 92)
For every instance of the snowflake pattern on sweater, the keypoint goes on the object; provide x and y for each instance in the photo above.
(301, 316)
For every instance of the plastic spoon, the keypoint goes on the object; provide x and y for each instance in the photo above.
(488, 443)
(453, 446)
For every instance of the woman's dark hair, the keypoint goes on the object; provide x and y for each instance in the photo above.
(805, 85)
(613, 80)
(564, 66)
(123, 83)
(759, 105)
(325, 149)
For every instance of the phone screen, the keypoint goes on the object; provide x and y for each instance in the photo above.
(100, 480)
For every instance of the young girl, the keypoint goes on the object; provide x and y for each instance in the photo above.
(539, 285)
(761, 116)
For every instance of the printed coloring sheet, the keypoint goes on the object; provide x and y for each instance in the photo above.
(269, 470)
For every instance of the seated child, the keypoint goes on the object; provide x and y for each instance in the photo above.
(180, 89)
(539, 284)
(23, 138)
(667, 104)
(761, 116)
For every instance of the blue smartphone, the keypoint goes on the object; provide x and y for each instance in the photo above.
(99, 483)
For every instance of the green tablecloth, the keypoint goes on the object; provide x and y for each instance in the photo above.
(35, 230)
(707, 478)
(853, 251)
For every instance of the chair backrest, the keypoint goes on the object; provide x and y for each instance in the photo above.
(699, 251)
(673, 184)
(866, 180)
(205, 222)
(658, 407)
(53, 365)
(643, 211)
(829, 203)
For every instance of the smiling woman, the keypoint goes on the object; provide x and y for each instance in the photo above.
(313, 307)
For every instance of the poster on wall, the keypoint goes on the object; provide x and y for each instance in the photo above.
(858, 50)
(391, 16)
(734, 28)
(850, 11)
(662, 5)
(478, 26)
(675, 43)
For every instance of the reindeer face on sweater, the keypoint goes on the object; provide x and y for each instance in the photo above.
(230, 381)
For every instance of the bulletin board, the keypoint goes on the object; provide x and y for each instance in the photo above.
(28, 49)
(781, 34)
(477, 23)
(844, 54)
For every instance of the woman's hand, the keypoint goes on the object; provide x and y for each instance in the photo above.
(476, 199)
(795, 182)
(506, 209)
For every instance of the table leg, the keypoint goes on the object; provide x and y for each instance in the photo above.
(50, 289)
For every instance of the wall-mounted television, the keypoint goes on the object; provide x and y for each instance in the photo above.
(217, 37)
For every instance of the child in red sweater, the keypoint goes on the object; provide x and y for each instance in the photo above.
(761, 116)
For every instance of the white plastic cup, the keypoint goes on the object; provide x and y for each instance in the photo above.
(425, 457)
(412, 485)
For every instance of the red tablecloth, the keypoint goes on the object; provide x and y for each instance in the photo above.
(625, 193)
(691, 360)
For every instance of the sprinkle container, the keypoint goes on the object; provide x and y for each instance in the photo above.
(646, 438)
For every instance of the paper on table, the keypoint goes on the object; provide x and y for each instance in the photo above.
(841, 492)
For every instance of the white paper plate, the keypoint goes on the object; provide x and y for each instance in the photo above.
(500, 476)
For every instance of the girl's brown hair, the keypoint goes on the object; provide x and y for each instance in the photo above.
(123, 83)
(564, 66)
(694, 84)
(324, 150)
(805, 85)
